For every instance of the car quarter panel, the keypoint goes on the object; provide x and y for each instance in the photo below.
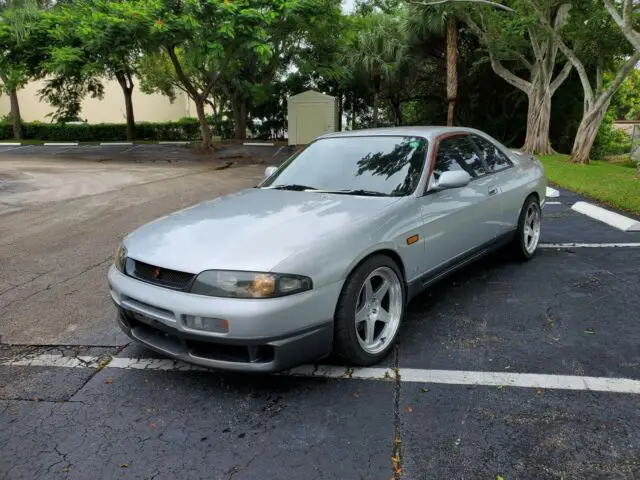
(516, 184)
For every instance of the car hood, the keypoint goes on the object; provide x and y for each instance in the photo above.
(255, 229)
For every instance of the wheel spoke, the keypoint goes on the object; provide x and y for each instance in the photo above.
(361, 315)
(527, 231)
(371, 326)
(368, 291)
(383, 316)
(382, 290)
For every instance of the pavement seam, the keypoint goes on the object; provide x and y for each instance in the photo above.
(396, 455)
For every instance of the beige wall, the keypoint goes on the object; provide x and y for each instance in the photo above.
(146, 108)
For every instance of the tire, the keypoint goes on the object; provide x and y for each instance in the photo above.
(525, 243)
(361, 310)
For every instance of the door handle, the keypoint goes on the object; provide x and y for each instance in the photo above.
(493, 190)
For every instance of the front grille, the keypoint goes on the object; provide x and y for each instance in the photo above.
(162, 277)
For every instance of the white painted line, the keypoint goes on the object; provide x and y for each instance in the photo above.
(447, 377)
(61, 144)
(115, 143)
(10, 144)
(47, 360)
(258, 144)
(553, 203)
(614, 219)
(589, 245)
(527, 380)
(552, 192)
(174, 143)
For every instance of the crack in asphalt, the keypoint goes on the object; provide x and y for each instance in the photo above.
(60, 282)
(396, 455)
(13, 287)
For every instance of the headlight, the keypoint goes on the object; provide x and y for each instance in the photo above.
(218, 283)
(121, 258)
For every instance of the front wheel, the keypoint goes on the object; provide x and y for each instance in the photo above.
(369, 312)
(527, 237)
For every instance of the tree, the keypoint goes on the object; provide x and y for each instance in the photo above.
(379, 49)
(598, 43)
(625, 20)
(195, 33)
(442, 22)
(16, 19)
(93, 40)
(517, 36)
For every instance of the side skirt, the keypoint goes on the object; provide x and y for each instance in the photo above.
(420, 284)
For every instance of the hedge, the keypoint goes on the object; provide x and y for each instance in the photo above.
(184, 130)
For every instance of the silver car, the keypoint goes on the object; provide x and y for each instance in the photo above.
(324, 255)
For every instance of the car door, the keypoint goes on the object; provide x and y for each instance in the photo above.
(506, 179)
(457, 221)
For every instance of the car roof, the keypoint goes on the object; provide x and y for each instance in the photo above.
(429, 132)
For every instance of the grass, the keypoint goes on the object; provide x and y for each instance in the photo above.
(612, 182)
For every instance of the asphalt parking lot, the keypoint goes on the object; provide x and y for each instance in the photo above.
(493, 376)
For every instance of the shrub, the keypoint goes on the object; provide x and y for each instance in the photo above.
(610, 140)
(185, 129)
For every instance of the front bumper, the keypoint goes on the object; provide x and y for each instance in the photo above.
(267, 335)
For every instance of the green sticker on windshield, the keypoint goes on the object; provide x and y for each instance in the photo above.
(415, 144)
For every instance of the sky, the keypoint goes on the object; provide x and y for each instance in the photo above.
(347, 5)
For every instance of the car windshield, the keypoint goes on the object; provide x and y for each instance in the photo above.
(365, 165)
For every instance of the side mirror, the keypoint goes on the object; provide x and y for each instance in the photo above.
(269, 171)
(453, 179)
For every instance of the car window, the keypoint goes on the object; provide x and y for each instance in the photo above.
(391, 165)
(491, 154)
(457, 153)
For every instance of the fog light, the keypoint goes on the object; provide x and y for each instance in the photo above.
(206, 323)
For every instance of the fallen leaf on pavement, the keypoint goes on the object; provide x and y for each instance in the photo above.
(108, 381)
(124, 465)
(538, 392)
(409, 409)
(424, 390)
(589, 330)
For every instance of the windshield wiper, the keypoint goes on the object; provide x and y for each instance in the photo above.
(364, 193)
(294, 187)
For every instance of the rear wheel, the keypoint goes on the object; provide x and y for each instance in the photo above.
(369, 312)
(527, 237)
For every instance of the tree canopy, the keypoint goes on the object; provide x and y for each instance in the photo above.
(532, 73)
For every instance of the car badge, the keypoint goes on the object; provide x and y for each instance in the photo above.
(156, 273)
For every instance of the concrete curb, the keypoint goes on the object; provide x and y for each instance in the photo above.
(613, 219)
(552, 192)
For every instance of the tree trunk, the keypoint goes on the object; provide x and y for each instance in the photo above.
(16, 119)
(240, 120)
(340, 110)
(375, 108)
(587, 133)
(538, 120)
(452, 67)
(131, 122)
(397, 112)
(204, 125)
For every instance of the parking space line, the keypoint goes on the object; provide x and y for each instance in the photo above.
(613, 219)
(411, 375)
(589, 245)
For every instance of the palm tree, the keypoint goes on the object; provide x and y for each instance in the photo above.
(15, 15)
(379, 50)
(425, 22)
